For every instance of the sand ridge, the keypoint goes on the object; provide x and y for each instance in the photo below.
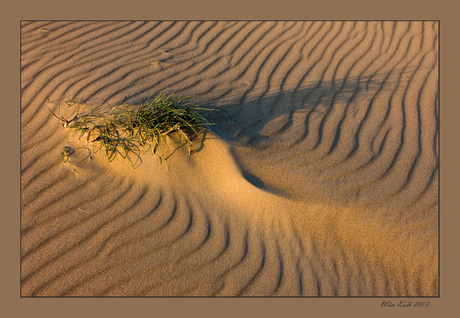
(324, 183)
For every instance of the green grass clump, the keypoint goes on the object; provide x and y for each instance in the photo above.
(125, 130)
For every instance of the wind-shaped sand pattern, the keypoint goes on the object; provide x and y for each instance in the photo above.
(323, 183)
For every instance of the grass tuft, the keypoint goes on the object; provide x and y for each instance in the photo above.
(125, 130)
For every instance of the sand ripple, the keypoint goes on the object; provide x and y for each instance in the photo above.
(325, 183)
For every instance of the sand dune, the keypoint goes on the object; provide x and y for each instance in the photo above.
(324, 183)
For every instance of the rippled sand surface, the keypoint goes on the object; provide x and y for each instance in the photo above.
(324, 183)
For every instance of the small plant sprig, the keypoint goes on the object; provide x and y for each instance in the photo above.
(123, 129)
(65, 153)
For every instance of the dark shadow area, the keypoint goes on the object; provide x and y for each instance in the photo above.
(258, 116)
(257, 182)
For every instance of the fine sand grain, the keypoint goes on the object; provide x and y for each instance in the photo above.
(324, 183)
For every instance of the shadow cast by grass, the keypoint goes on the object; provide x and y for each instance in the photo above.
(258, 116)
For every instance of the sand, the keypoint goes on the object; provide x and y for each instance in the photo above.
(324, 183)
